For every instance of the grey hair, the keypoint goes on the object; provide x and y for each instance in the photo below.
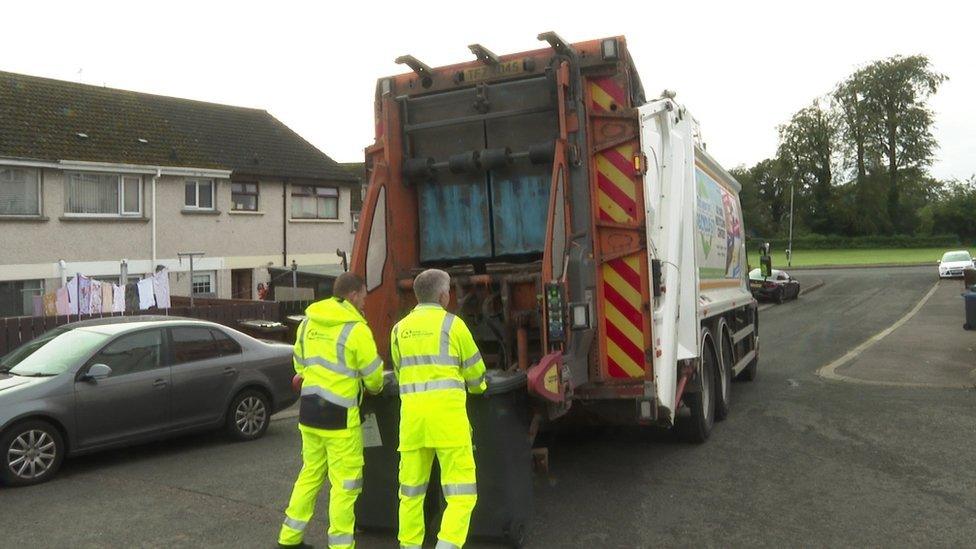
(430, 284)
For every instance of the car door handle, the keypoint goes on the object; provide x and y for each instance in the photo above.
(229, 371)
(159, 383)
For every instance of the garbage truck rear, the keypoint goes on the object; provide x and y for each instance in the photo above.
(592, 241)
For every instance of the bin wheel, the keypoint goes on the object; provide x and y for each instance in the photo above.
(515, 534)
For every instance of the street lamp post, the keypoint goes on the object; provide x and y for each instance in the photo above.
(789, 246)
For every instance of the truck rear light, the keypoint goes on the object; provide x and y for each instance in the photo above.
(580, 316)
(609, 49)
(555, 312)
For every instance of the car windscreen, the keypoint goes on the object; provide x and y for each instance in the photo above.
(956, 256)
(52, 354)
(755, 274)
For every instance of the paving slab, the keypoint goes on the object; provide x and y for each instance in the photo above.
(931, 348)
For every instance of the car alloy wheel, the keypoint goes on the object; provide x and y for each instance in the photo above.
(31, 454)
(250, 416)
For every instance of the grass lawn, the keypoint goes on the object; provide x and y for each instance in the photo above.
(809, 258)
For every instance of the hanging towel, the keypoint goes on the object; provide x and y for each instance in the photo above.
(146, 299)
(96, 297)
(84, 295)
(61, 302)
(161, 289)
(107, 297)
(118, 298)
(131, 298)
(72, 289)
(51, 304)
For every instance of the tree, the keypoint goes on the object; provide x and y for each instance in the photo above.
(898, 120)
(855, 139)
(765, 197)
(806, 151)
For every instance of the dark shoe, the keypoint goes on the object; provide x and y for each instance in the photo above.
(301, 545)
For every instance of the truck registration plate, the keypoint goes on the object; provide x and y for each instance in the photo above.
(506, 68)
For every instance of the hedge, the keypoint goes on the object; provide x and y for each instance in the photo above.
(821, 242)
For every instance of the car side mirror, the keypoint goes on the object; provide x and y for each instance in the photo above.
(97, 372)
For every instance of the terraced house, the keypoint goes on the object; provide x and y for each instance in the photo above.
(97, 181)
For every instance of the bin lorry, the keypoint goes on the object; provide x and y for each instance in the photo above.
(592, 241)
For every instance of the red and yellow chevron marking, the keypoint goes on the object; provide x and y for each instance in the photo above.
(605, 92)
(616, 187)
(623, 322)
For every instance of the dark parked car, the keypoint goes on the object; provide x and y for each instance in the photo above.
(778, 287)
(116, 381)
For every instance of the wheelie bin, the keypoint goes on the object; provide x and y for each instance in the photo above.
(969, 299)
(503, 456)
(378, 503)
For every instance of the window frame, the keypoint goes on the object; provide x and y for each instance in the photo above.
(172, 344)
(212, 283)
(119, 207)
(299, 191)
(196, 184)
(38, 179)
(163, 351)
(256, 194)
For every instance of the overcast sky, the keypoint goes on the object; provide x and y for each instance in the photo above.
(742, 68)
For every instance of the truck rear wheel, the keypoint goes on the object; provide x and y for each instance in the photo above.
(697, 424)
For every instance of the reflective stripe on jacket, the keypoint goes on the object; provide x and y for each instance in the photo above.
(436, 362)
(335, 354)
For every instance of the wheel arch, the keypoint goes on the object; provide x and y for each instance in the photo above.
(42, 416)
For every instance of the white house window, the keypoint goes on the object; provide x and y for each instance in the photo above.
(103, 194)
(244, 196)
(17, 297)
(203, 283)
(199, 194)
(314, 202)
(20, 191)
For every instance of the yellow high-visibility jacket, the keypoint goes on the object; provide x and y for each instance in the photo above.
(335, 354)
(435, 360)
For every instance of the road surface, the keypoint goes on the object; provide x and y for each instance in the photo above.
(802, 460)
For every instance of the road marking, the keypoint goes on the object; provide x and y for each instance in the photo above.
(830, 370)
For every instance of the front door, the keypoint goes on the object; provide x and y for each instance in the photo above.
(134, 401)
(240, 283)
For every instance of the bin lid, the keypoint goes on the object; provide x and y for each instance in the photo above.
(268, 325)
(504, 381)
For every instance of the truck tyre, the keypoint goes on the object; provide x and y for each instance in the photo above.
(723, 378)
(697, 425)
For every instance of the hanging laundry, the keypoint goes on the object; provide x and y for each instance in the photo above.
(107, 297)
(38, 302)
(146, 298)
(51, 304)
(118, 298)
(96, 297)
(131, 298)
(61, 302)
(84, 295)
(161, 289)
(72, 290)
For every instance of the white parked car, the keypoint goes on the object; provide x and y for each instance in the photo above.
(953, 263)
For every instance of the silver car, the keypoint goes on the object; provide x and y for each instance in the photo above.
(116, 381)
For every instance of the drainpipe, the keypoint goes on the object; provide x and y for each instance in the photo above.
(284, 222)
(159, 173)
(62, 269)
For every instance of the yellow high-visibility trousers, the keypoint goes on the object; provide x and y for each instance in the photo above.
(341, 458)
(459, 485)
